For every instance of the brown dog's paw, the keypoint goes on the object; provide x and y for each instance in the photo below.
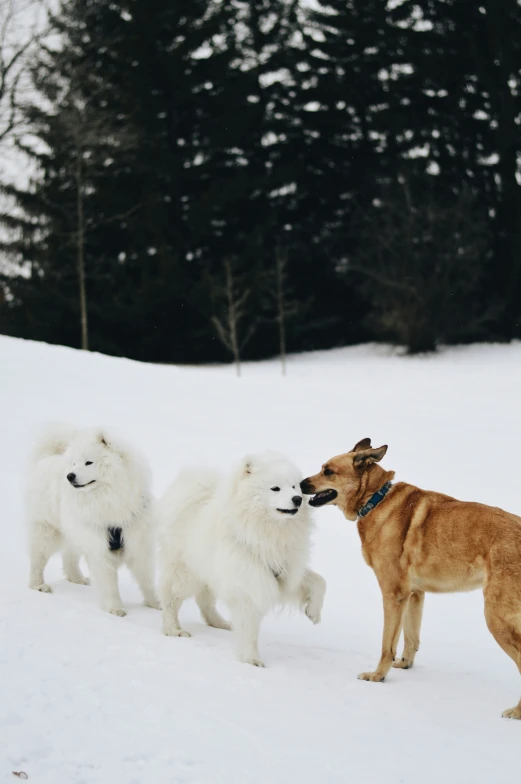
(512, 713)
(403, 663)
(375, 677)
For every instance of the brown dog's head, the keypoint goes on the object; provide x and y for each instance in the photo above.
(348, 480)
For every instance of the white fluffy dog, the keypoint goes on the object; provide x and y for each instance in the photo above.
(243, 539)
(89, 494)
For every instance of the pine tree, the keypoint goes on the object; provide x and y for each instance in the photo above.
(463, 101)
(344, 143)
(421, 259)
(171, 76)
(74, 146)
(229, 130)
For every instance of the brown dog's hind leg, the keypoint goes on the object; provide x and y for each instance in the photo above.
(504, 623)
(412, 620)
(394, 608)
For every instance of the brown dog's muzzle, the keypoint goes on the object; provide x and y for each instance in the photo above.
(307, 487)
(321, 497)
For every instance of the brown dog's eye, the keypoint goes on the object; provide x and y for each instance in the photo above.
(328, 472)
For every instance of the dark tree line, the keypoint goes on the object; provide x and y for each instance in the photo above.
(219, 178)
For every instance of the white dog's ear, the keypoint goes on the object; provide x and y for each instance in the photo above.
(242, 469)
(112, 443)
(103, 438)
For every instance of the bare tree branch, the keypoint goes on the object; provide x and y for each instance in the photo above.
(18, 41)
(385, 280)
(231, 296)
(279, 302)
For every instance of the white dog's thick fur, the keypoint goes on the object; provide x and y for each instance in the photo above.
(243, 539)
(81, 484)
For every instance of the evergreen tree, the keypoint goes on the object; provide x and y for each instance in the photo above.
(174, 140)
(74, 146)
(463, 99)
(345, 142)
(171, 76)
(421, 259)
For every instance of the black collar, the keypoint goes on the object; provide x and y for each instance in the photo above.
(375, 499)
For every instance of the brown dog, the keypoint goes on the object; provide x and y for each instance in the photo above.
(416, 541)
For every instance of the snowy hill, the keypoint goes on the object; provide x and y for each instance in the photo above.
(87, 697)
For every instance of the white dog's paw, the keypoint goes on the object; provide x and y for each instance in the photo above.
(217, 622)
(42, 587)
(119, 611)
(176, 633)
(255, 662)
(153, 603)
(79, 580)
(313, 613)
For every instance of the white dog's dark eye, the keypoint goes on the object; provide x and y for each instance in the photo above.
(275, 489)
(89, 462)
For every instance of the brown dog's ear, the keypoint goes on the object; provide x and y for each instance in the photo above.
(367, 457)
(365, 443)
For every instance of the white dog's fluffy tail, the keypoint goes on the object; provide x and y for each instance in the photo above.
(192, 487)
(54, 440)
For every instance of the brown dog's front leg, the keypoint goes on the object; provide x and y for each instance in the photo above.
(394, 608)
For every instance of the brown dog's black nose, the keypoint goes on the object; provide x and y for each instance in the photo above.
(306, 487)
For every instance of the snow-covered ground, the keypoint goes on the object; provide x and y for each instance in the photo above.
(87, 697)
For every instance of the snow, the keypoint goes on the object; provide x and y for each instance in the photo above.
(87, 697)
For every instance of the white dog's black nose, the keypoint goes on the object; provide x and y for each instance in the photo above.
(297, 500)
(71, 477)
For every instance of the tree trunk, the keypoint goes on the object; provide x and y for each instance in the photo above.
(502, 70)
(232, 316)
(281, 264)
(81, 254)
